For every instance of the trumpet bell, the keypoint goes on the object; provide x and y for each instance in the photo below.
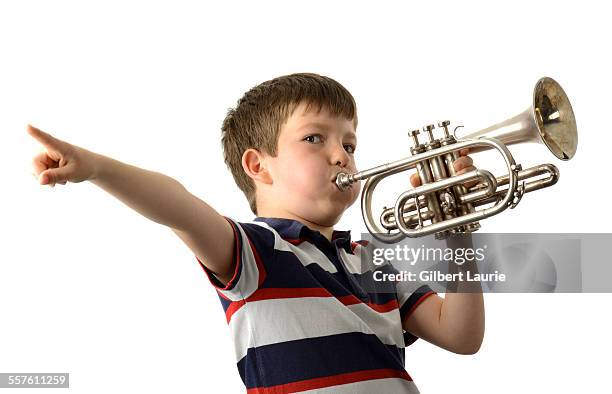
(549, 120)
(555, 118)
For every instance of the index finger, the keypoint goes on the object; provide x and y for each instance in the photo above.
(464, 152)
(46, 139)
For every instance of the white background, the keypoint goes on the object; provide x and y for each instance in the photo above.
(89, 287)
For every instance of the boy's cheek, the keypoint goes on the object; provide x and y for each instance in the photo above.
(356, 191)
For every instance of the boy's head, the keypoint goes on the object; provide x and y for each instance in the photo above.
(285, 141)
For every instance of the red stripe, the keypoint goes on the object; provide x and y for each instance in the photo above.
(431, 292)
(272, 293)
(387, 307)
(280, 293)
(382, 308)
(260, 266)
(232, 308)
(317, 383)
(275, 293)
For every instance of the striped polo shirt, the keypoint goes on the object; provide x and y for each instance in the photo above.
(300, 319)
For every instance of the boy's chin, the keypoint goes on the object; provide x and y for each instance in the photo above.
(328, 217)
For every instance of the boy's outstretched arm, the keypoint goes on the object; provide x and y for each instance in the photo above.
(156, 196)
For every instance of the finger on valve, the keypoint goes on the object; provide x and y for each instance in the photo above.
(415, 180)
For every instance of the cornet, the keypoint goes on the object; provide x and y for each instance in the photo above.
(442, 205)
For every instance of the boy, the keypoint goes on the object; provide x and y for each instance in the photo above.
(288, 281)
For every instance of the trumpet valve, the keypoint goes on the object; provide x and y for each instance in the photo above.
(429, 129)
(417, 148)
(471, 227)
(444, 125)
(447, 203)
(414, 134)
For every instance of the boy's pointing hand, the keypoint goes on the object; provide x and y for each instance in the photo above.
(60, 162)
(462, 165)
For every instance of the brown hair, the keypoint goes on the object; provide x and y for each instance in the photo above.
(259, 115)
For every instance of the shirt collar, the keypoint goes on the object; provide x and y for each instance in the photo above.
(293, 229)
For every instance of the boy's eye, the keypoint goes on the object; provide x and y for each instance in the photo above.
(318, 139)
(315, 139)
(349, 148)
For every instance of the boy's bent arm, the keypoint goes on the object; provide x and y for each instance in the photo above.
(164, 200)
(454, 323)
(457, 321)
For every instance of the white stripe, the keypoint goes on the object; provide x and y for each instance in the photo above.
(387, 385)
(381, 323)
(361, 260)
(353, 262)
(242, 332)
(249, 275)
(306, 252)
(257, 323)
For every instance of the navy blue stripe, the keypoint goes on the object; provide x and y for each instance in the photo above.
(287, 271)
(377, 292)
(262, 238)
(383, 290)
(414, 297)
(310, 358)
(409, 339)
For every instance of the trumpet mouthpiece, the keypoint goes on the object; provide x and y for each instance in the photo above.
(343, 181)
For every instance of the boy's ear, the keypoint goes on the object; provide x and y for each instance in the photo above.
(253, 163)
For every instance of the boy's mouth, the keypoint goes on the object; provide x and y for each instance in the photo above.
(338, 173)
(334, 180)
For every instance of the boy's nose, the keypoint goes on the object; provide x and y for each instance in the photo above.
(340, 156)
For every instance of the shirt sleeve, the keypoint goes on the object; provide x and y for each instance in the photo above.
(252, 246)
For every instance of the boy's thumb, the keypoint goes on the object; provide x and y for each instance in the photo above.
(51, 177)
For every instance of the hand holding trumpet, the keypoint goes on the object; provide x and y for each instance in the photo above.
(462, 165)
